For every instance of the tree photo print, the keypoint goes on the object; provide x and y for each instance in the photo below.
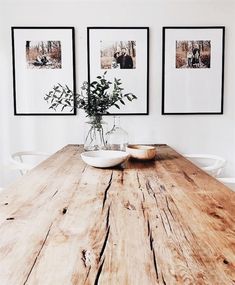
(118, 54)
(43, 54)
(193, 54)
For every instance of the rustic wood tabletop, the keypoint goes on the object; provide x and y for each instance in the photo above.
(142, 223)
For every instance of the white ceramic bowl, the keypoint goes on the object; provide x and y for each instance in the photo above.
(144, 152)
(104, 158)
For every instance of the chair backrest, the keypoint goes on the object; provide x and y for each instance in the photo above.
(26, 160)
(228, 181)
(212, 164)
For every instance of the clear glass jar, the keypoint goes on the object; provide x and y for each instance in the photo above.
(94, 134)
(117, 138)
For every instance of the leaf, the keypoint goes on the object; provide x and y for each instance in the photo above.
(122, 102)
(128, 97)
(116, 105)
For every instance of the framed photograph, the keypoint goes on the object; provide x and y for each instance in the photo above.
(123, 53)
(192, 70)
(42, 58)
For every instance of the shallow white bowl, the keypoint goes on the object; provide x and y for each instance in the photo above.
(104, 158)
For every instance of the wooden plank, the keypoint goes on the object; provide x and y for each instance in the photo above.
(28, 210)
(158, 222)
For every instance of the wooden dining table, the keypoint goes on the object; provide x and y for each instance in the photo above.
(163, 221)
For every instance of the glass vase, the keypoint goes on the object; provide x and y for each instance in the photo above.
(117, 137)
(95, 130)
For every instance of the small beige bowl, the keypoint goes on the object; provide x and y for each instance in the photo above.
(144, 152)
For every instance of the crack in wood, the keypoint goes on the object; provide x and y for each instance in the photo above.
(215, 215)
(153, 252)
(162, 188)
(143, 209)
(219, 207)
(122, 177)
(150, 191)
(225, 261)
(107, 217)
(163, 279)
(168, 207)
(138, 179)
(163, 225)
(129, 206)
(64, 211)
(54, 193)
(189, 179)
(106, 190)
(87, 275)
(104, 244)
(84, 169)
(149, 187)
(98, 273)
(148, 228)
(86, 257)
(168, 220)
(179, 224)
(36, 258)
(139, 186)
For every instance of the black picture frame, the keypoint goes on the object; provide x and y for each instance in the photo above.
(41, 81)
(137, 35)
(212, 72)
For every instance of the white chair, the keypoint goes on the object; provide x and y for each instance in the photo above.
(26, 160)
(212, 164)
(228, 181)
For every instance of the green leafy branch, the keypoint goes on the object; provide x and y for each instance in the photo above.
(95, 98)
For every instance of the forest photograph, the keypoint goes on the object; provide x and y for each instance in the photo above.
(43, 54)
(118, 54)
(193, 54)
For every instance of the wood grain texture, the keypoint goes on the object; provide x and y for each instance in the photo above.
(158, 222)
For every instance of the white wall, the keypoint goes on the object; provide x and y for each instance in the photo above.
(198, 134)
